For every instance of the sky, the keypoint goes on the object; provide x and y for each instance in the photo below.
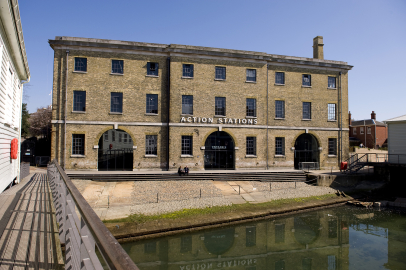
(369, 35)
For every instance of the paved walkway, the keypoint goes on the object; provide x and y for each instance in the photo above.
(27, 237)
(111, 200)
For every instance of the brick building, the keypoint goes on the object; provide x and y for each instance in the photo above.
(370, 132)
(206, 108)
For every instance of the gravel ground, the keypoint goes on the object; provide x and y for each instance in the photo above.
(141, 197)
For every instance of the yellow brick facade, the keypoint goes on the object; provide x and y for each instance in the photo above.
(169, 124)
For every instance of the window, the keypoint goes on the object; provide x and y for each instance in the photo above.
(152, 103)
(251, 146)
(187, 145)
(307, 110)
(331, 259)
(306, 264)
(116, 103)
(113, 136)
(280, 77)
(368, 130)
(185, 243)
(279, 146)
(106, 137)
(332, 146)
(125, 137)
(78, 144)
(331, 82)
(306, 80)
(220, 106)
(187, 70)
(279, 233)
(361, 130)
(120, 137)
(80, 64)
(152, 69)
(332, 228)
(220, 73)
(250, 236)
(331, 108)
(251, 107)
(187, 104)
(117, 66)
(151, 145)
(79, 101)
(150, 247)
(279, 109)
(251, 75)
(354, 131)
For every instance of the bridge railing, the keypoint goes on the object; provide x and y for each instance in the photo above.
(88, 243)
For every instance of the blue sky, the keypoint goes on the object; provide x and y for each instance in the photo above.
(370, 35)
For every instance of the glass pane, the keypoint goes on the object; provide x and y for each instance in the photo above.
(220, 73)
(220, 106)
(117, 66)
(251, 107)
(116, 102)
(187, 104)
(152, 103)
(280, 77)
(80, 64)
(79, 101)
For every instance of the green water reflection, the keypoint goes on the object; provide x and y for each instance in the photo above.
(335, 238)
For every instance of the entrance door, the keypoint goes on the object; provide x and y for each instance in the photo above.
(306, 150)
(219, 152)
(115, 151)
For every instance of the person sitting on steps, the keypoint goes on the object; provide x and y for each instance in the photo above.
(186, 170)
(180, 171)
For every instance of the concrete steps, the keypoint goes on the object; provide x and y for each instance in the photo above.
(294, 176)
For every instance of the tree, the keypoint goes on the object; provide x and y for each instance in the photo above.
(40, 122)
(25, 125)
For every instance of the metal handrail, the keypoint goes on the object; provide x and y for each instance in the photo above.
(84, 235)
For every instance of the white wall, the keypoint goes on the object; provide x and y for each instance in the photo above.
(397, 141)
(10, 115)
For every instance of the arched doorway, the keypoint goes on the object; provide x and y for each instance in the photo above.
(115, 151)
(219, 151)
(306, 150)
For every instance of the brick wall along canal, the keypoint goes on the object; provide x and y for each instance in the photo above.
(333, 238)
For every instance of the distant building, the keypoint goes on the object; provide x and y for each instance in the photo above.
(207, 108)
(370, 132)
(14, 72)
(397, 139)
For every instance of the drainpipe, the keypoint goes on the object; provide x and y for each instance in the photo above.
(267, 117)
(341, 121)
(168, 96)
(365, 134)
(66, 108)
(375, 135)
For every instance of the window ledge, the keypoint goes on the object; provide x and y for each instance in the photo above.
(251, 156)
(331, 88)
(306, 119)
(280, 84)
(251, 117)
(332, 156)
(151, 114)
(189, 115)
(151, 156)
(279, 118)
(335, 120)
(118, 74)
(119, 113)
(78, 112)
(306, 86)
(279, 156)
(220, 116)
(220, 80)
(77, 156)
(251, 81)
(153, 76)
(186, 77)
(186, 156)
(76, 71)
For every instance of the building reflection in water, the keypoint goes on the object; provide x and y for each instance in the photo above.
(312, 240)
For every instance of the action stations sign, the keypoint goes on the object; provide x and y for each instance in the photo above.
(224, 120)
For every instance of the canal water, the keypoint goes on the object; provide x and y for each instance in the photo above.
(335, 238)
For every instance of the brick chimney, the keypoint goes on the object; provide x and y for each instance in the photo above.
(318, 47)
(373, 115)
(349, 118)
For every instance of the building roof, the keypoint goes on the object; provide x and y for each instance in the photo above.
(11, 23)
(396, 119)
(63, 42)
(366, 122)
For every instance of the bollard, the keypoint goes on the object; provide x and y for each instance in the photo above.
(108, 201)
(295, 184)
(200, 193)
(157, 198)
(270, 186)
(239, 190)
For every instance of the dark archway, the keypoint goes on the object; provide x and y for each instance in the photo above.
(115, 151)
(219, 151)
(306, 150)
